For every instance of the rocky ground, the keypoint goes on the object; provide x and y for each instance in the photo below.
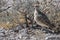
(22, 34)
(18, 33)
(13, 21)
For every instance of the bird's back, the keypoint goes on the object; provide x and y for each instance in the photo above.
(42, 20)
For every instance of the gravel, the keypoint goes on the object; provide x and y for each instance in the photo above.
(23, 34)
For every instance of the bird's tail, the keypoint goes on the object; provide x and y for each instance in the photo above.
(52, 27)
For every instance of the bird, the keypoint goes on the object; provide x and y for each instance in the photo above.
(41, 19)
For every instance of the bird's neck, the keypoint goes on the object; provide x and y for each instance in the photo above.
(35, 14)
(36, 11)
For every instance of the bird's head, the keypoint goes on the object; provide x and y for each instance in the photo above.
(36, 4)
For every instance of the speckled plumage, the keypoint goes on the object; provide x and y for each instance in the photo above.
(41, 19)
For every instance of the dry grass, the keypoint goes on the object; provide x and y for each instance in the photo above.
(12, 20)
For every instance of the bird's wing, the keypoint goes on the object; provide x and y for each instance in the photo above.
(43, 20)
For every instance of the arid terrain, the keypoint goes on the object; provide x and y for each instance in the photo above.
(17, 23)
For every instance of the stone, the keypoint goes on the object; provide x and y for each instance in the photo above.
(53, 37)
